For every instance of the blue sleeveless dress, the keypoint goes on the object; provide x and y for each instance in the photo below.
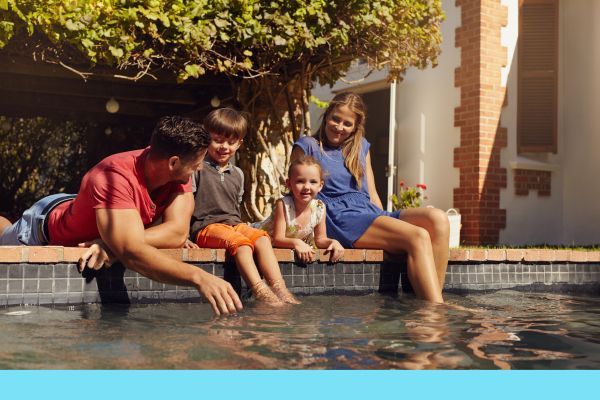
(349, 209)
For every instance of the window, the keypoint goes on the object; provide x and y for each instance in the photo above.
(538, 73)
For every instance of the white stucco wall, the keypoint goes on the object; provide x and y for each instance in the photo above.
(572, 213)
(426, 136)
(530, 219)
(580, 128)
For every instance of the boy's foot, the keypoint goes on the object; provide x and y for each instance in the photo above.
(264, 293)
(283, 292)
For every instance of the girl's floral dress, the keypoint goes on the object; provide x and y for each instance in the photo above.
(295, 230)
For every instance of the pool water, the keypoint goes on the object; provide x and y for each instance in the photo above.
(501, 330)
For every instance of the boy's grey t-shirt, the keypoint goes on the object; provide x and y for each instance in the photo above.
(218, 195)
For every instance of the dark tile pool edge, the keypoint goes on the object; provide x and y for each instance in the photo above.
(61, 283)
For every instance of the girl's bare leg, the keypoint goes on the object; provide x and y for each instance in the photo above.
(435, 221)
(269, 266)
(395, 236)
(245, 263)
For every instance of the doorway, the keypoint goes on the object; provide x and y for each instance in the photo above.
(377, 133)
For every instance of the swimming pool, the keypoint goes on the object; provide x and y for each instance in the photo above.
(499, 330)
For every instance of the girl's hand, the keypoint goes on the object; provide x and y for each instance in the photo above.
(303, 251)
(96, 256)
(336, 250)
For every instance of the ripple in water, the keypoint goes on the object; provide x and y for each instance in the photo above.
(501, 330)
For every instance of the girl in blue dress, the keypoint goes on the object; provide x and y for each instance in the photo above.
(355, 215)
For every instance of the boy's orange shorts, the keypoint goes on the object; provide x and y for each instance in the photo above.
(221, 236)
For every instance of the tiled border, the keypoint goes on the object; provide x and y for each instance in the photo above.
(49, 275)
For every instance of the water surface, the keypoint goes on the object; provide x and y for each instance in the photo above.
(501, 330)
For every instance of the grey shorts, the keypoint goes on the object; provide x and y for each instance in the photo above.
(29, 229)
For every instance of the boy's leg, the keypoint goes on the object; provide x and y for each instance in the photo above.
(245, 263)
(219, 236)
(267, 261)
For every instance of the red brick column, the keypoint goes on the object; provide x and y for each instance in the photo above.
(478, 117)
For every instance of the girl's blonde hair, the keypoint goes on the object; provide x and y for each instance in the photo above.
(305, 160)
(351, 148)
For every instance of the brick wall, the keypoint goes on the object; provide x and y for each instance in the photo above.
(526, 180)
(478, 117)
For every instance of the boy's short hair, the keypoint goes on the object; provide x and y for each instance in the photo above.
(178, 136)
(227, 122)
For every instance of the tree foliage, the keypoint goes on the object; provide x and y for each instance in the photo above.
(237, 37)
(273, 51)
(38, 157)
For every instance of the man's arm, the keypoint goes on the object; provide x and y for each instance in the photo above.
(123, 231)
(175, 226)
(171, 233)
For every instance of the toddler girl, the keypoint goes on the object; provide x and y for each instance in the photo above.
(299, 219)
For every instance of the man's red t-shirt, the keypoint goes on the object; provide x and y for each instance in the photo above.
(117, 182)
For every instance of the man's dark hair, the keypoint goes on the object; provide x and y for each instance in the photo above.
(178, 136)
(227, 122)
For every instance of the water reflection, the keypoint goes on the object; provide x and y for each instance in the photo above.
(532, 331)
(503, 330)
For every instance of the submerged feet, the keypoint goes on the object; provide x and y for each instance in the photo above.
(264, 293)
(282, 292)
(275, 294)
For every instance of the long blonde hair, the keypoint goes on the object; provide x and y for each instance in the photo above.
(352, 146)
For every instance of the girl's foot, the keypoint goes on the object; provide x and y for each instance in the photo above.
(264, 293)
(282, 292)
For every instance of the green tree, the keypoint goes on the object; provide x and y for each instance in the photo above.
(273, 51)
(38, 157)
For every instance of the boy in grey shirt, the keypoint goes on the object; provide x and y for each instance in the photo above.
(217, 223)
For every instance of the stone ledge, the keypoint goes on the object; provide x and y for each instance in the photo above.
(58, 254)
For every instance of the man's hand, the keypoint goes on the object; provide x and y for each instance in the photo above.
(336, 250)
(123, 231)
(96, 256)
(190, 245)
(219, 293)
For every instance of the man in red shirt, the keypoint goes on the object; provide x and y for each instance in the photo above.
(118, 204)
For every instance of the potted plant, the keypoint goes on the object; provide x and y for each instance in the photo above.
(413, 196)
(409, 196)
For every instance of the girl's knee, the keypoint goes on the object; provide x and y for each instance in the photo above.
(420, 240)
(439, 222)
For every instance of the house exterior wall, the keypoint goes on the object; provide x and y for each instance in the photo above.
(426, 133)
(579, 133)
(570, 212)
(456, 128)
(534, 217)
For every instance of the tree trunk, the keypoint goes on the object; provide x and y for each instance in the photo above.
(277, 115)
